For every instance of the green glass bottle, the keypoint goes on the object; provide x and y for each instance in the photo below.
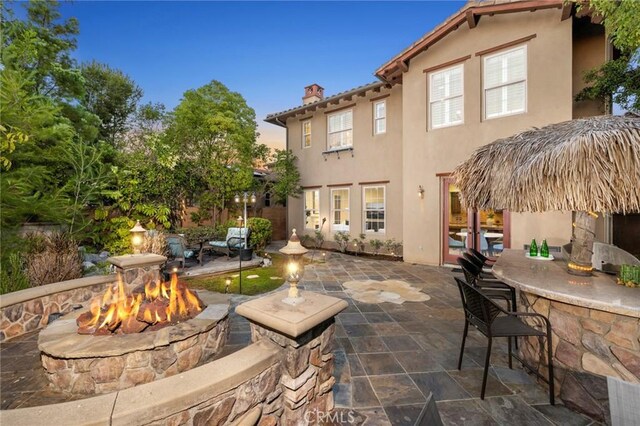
(544, 249)
(533, 248)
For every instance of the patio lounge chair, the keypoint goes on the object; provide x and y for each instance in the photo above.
(233, 241)
(493, 321)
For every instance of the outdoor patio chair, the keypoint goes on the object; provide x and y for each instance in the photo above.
(488, 275)
(178, 248)
(472, 274)
(493, 321)
(486, 261)
(233, 242)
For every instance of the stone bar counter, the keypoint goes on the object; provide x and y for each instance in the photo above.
(595, 327)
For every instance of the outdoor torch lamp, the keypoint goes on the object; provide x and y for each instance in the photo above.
(294, 269)
(137, 236)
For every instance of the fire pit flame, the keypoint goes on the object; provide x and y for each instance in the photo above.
(151, 307)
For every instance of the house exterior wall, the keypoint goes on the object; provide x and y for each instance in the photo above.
(411, 154)
(427, 152)
(376, 158)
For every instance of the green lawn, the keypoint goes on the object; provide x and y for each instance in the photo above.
(262, 284)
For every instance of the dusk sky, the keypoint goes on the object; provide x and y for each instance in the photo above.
(267, 51)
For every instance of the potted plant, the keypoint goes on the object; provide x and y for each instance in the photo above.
(491, 218)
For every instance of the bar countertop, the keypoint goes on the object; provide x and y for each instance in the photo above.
(551, 280)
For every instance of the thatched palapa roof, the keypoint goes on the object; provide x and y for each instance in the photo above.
(590, 164)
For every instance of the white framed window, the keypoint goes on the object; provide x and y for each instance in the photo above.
(446, 99)
(374, 209)
(312, 209)
(306, 134)
(340, 130)
(340, 209)
(505, 83)
(380, 117)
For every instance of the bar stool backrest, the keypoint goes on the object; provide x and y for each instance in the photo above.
(479, 310)
(470, 271)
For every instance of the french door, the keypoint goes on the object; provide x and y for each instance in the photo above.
(488, 231)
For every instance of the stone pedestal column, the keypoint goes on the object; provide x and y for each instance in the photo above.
(305, 333)
(137, 269)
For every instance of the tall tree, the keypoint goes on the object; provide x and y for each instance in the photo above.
(215, 131)
(111, 95)
(287, 176)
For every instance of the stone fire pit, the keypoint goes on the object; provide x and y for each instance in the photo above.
(88, 364)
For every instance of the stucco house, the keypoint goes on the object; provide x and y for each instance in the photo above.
(377, 159)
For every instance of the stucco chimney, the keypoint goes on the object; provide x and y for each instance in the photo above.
(312, 93)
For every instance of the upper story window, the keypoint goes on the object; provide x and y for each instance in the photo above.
(374, 209)
(379, 117)
(340, 209)
(340, 130)
(306, 134)
(505, 83)
(312, 209)
(446, 101)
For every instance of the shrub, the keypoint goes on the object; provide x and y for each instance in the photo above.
(12, 276)
(318, 238)
(393, 246)
(201, 233)
(376, 245)
(53, 257)
(261, 231)
(342, 239)
(358, 243)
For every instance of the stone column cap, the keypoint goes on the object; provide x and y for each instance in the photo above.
(129, 261)
(291, 320)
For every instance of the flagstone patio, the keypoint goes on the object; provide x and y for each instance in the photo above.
(388, 356)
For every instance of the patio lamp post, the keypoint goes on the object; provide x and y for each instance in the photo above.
(294, 269)
(245, 199)
(137, 237)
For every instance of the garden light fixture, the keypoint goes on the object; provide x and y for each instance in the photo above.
(294, 269)
(137, 237)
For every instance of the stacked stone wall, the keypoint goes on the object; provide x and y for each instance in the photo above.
(29, 315)
(587, 345)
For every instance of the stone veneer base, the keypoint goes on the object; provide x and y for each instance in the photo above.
(86, 364)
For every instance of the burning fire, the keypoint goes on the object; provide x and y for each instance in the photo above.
(155, 306)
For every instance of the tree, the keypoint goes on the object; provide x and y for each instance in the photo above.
(215, 132)
(287, 176)
(112, 96)
(618, 79)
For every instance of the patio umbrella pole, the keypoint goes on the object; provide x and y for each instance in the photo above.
(584, 232)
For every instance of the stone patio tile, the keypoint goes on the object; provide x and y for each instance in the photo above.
(345, 344)
(403, 316)
(368, 307)
(11, 400)
(356, 318)
(375, 417)
(417, 362)
(437, 342)
(351, 309)
(471, 380)
(355, 366)
(377, 317)
(415, 326)
(396, 389)
(342, 394)
(239, 338)
(562, 416)
(405, 415)
(440, 384)
(341, 370)
(362, 394)
(449, 360)
(513, 410)
(382, 363)
(401, 343)
(388, 329)
(464, 413)
(369, 344)
(359, 330)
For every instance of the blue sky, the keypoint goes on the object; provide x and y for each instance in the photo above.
(267, 51)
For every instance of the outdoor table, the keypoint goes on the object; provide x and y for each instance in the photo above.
(595, 322)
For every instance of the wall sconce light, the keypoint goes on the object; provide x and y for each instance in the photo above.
(420, 192)
(137, 236)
